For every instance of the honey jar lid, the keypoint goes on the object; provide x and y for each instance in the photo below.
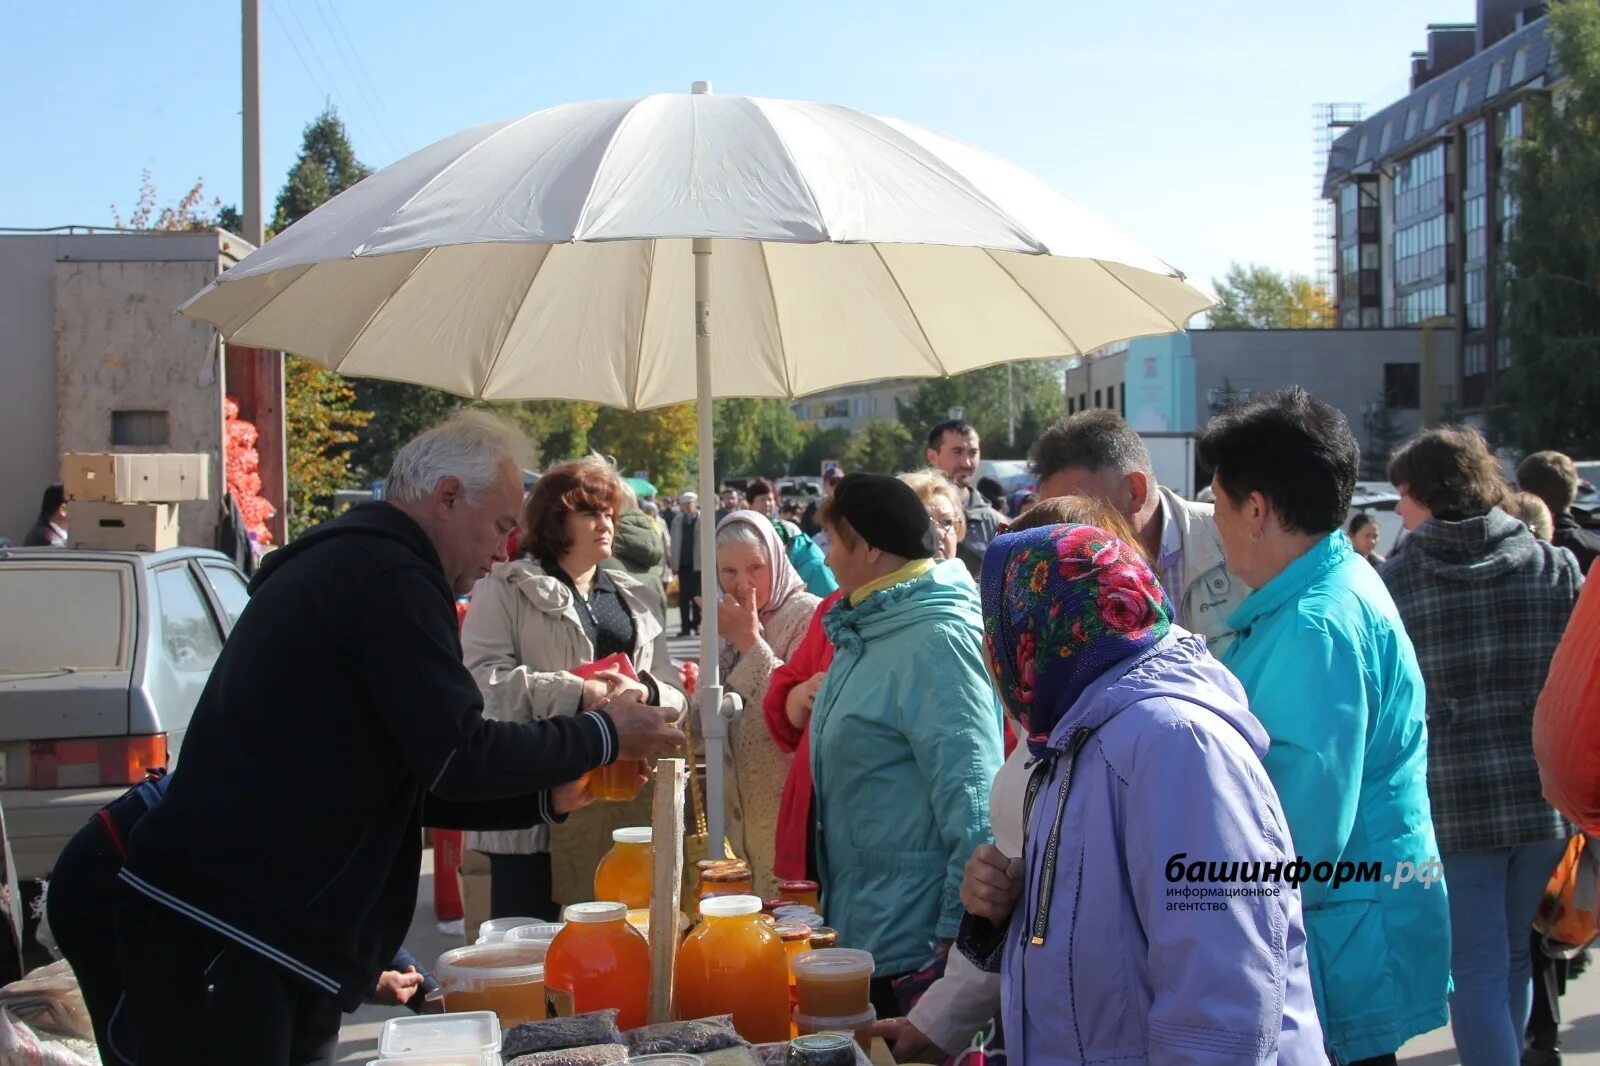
(824, 937)
(591, 913)
(639, 834)
(727, 875)
(790, 931)
(730, 906)
(799, 886)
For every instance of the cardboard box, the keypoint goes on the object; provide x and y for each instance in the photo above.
(143, 477)
(123, 527)
(474, 879)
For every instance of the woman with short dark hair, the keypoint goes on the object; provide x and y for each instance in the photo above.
(50, 531)
(1323, 654)
(1486, 604)
(533, 621)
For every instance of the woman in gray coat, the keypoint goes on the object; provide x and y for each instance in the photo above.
(535, 619)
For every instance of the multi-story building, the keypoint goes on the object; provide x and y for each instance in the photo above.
(1422, 211)
(853, 406)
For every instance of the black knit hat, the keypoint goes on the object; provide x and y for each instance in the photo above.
(887, 514)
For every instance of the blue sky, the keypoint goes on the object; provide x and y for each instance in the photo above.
(1188, 125)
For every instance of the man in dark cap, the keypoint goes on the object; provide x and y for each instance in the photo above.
(905, 732)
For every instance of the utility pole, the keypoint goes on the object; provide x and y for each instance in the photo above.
(250, 38)
(1011, 409)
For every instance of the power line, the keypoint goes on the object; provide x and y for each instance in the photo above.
(333, 87)
(298, 54)
(375, 101)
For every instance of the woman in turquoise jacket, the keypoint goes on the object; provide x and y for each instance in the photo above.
(1333, 677)
(905, 733)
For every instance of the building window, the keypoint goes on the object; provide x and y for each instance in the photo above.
(139, 429)
(1477, 298)
(1361, 148)
(1502, 359)
(1419, 306)
(1477, 154)
(1476, 222)
(1083, 401)
(1369, 318)
(1431, 119)
(1072, 405)
(1461, 94)
(1402, 386)
(1474, 359)
(1419, 251)
(1519, 65)
(1419, 183)
(1388, 135)
(1097, 398)
(1496, 74)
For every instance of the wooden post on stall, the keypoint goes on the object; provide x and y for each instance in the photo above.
(667, 889)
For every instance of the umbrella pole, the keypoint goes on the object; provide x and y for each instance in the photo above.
(713, 726)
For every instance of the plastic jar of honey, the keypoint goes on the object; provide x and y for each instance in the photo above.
(833, 982)
(732, 963)
(628, 869)
(599, 961)
(808, 893)
(506, 977)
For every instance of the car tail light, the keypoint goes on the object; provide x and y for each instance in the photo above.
(101, 762)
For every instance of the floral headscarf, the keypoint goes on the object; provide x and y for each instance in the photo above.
(1061, 605)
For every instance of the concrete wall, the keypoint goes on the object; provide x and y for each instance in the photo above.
(122, 346)
(119, 345)
(27, 367)
(1342, 367)
(861, 404)
(1095, 372)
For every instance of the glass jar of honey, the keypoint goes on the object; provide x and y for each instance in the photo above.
(796, 942)
(619, 782)
(628, 869)
(506, 977)
(823, 937)
(732, 963)
(807, 893)
(727, 877)
(599, 961)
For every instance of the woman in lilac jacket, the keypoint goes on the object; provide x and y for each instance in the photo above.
(1146, 926)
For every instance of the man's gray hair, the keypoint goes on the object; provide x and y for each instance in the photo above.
(470, 446)
(1095, 441)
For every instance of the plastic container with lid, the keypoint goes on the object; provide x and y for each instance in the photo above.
(537, 932)
(669, 1060)
(455, 1058)
(506, 978)
(773, 904)
(598, 961)
(798, 913)
(497, 928)
(734, 964)
(440, 1036)
(821, 1049)
(806, 892)
(858, 1026)
(628, 869)
(833, 982)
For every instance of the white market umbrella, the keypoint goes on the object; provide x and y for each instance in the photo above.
(573, 254)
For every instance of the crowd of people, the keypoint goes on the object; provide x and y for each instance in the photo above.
(1117, 776)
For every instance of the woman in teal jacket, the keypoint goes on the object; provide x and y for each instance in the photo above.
(1333, 677)
(905, 733)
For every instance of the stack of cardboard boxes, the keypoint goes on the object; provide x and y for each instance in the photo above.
(129, 502)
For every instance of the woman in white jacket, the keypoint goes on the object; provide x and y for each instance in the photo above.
(534, 620)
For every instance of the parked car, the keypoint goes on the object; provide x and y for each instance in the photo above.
(103, 656)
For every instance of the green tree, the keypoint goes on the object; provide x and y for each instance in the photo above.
(661, 442)
(399, 412)
(1383, 436)
(560, 428)
(322, 418)
(1008, 405)
(1549, 397)
(756, 437)
(1258, 297)
(883, 447)
(820, 446)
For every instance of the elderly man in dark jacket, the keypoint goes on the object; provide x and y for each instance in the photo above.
(276, 880)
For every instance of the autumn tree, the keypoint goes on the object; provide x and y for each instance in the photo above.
(559, 428)
(1258, 297)
(756, 437)
(190, 213)
(661, 442)
(1549, 395)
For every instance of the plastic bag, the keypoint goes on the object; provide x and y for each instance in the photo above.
(43, 1021)
(1564, 922)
